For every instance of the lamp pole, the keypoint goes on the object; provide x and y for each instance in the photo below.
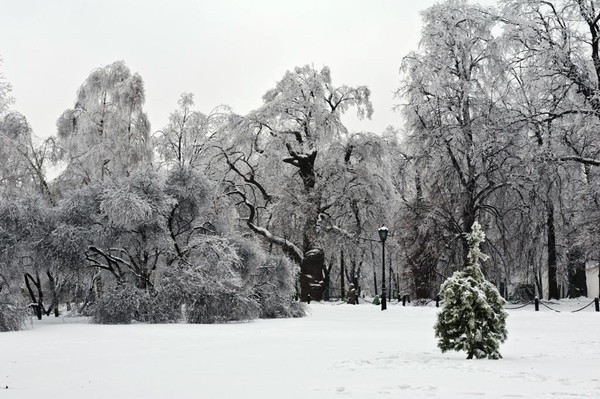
(383, 232)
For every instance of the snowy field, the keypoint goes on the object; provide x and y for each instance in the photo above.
(337, 351)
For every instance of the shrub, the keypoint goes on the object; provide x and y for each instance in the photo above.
(117, 305)
(124, 303)
(157, 308)
(209, 286)
(12, 314)
(274, 285)
(220, 307)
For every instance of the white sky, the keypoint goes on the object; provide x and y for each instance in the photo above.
(224, 51)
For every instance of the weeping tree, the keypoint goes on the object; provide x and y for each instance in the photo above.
(107, 132)
(473, 318)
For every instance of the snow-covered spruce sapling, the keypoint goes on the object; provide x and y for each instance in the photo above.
(473, 318)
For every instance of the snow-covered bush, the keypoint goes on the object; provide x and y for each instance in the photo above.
(12, 314)
(473, 318)
(208, 286)
(154, 307)
(124, 303)
(117, 305)
(274, 285)
(219, 307)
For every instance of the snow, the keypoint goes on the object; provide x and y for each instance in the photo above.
(338, 350)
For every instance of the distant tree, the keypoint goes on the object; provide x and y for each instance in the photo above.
(473, 318)
(185, 141)
(107, 132)
(5, 89)
(25, 157)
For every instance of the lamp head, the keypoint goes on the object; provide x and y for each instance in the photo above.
(383, 233)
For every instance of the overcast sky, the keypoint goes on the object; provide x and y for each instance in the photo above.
(224, 51)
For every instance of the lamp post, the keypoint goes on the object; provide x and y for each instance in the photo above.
(383, 232)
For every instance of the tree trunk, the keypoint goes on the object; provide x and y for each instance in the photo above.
(539, 283)
(375, 263)
(342, 276)
(553, 292)
(327, 279)
(576, 268)
(54, 293)
(354, 274)
(39, 300)
(390, 278)
(468, 220)
(311, 275)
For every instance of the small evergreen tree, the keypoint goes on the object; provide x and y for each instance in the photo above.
(473, 318)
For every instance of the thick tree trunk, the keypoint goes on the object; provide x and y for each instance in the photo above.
(311, 275)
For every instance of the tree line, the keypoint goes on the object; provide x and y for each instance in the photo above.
(236, 216)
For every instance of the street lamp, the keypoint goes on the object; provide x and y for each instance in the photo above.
(383, 232)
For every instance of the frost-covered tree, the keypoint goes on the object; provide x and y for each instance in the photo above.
(107, 132)
(184, 142)
(457, 140)
(5, 89)
(281, 164)
(554, 55)
(25, 156)
(473, 318)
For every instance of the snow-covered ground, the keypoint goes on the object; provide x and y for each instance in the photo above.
(337, 351)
